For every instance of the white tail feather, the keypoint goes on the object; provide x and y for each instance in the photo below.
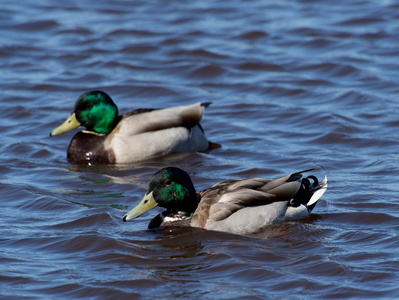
(317, 195)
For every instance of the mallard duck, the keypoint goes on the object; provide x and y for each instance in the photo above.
(131, 137)
(240, 206)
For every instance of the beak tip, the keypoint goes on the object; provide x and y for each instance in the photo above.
(147, 203)
(69, 124)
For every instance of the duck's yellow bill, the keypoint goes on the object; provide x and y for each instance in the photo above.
(147, 203)
(69, 124)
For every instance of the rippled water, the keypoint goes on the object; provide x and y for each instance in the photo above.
(294, 85)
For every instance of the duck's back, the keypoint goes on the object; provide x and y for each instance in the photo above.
(151, 120)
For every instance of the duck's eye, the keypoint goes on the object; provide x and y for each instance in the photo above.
(89, 106)
(168, 182)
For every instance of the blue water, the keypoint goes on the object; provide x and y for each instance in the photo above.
(293, 85)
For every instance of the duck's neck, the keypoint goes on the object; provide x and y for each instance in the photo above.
(192, 204)
(187, 207)
(106, 124)
(102, 118)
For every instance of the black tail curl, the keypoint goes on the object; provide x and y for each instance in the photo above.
(309, 185)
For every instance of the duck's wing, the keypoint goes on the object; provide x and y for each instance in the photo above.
(208, 198)
(226, 198)
(146, 120)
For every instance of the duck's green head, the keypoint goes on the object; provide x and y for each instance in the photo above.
(170, 188)
(94, 110)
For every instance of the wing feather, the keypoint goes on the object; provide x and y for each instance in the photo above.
(153, 120)
(227, 197)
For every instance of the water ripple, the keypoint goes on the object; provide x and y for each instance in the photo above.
(293, 85)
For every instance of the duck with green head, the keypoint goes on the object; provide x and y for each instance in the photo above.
(131, 137)
(240, 206)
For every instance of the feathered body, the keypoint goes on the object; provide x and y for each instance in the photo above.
(241, 206)
(134, 136)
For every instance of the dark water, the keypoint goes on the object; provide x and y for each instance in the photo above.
(294, 85)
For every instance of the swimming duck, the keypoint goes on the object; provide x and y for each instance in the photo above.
(131, 137)
(240, 206)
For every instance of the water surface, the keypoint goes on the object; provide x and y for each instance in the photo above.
(293, 85)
